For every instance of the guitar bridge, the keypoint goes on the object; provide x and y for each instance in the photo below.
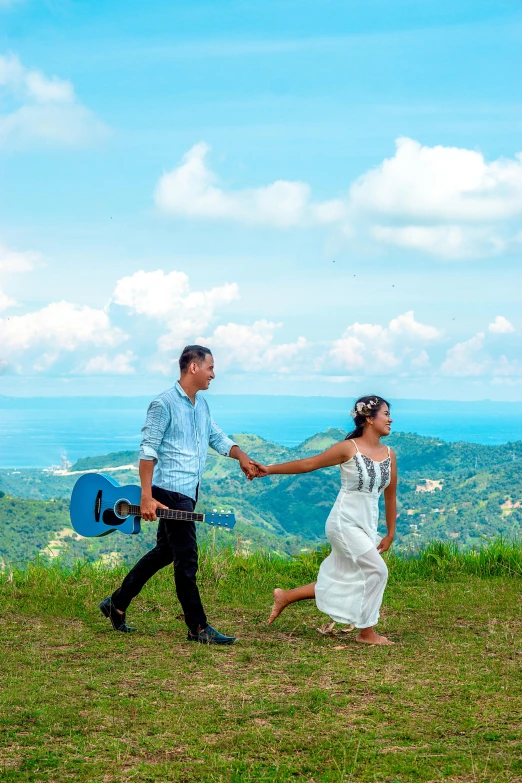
(97, 506)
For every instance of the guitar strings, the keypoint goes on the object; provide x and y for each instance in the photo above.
(172, 510)
(105, 506)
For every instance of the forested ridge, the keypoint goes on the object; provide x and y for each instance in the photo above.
(450, 491)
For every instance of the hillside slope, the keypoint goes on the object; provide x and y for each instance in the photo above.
(459, 491)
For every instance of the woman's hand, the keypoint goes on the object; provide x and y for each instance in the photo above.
(261, 470)
(385, 544)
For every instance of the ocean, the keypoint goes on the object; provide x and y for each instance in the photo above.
(36, 432)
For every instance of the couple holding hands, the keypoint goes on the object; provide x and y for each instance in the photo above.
(177, 432)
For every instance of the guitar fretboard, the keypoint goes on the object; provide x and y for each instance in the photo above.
(169, 513)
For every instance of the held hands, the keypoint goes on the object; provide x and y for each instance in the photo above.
(261, 470)
(385, 544)
(252, 469)
(257, 470)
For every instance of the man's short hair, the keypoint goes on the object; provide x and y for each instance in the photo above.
(193, 353)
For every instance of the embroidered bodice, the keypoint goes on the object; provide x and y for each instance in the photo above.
(362, 474)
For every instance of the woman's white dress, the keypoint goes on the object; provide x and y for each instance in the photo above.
(351, 580)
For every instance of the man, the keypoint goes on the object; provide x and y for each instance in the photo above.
(173, 452)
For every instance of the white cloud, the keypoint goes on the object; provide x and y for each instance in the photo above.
(121, 364)
(68, 339)
(5, 302)
(439, 183)
(43, 109)
(251, 348)
(18, 261)
(465, 358)
(446, 201)
(348, 352)
(406, 326)
(167, 296)
(378, 349)
(501, 325)
(449, 242)
(42, 336)
(191, 190)
(505, 367)
(476, 357)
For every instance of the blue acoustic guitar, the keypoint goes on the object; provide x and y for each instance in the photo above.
(99, 506)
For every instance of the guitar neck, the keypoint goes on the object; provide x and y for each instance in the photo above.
(169, 513)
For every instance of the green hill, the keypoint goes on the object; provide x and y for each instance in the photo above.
(458, 492)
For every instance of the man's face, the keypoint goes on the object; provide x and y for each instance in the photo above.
(204, 372)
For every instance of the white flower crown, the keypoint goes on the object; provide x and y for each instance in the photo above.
(364, 408)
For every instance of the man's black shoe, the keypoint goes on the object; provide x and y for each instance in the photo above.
(209, 635)
(108, 609)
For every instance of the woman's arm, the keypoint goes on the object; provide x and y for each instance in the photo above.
(341, 452)
(390, 502)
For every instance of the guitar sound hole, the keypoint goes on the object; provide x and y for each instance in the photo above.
(110, 518)
(123, 508)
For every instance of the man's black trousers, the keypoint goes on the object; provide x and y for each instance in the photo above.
(176, 543)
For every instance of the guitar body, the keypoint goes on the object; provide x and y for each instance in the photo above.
(93, 506)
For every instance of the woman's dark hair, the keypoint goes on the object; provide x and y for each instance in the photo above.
(365, 408)
(192, 353)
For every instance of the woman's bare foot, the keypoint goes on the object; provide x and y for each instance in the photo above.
(370, 637)
(279, 604)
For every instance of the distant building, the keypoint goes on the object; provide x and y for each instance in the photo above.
(430, 485)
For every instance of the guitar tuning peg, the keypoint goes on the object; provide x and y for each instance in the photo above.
(222, 511)
(214, 510)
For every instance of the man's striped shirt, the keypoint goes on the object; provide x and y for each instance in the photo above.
(176, 436)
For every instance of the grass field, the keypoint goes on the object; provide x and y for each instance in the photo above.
(80, 702)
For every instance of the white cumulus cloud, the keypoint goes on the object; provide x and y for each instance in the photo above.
(18, 261)
(251, 347)
(192, 190)
(406, 326)
(501, 325)
(42, 109)
(120, 364)
(43, 335)
(465, 358)
(439, 183)
(449, 202)
(167, 296)
(375, 349)
(5, 302)
(449, 242)
(475, 358)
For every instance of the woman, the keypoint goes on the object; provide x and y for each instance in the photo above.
(351, 580)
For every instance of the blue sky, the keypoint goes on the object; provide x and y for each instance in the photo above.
(329, 195)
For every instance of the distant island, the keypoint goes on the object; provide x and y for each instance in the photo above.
(459, 492)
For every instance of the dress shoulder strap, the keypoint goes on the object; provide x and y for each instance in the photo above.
(355, 444)
(389, 452)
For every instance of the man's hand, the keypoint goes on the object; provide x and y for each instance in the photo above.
(248, 467)
(148, 508)
(385, 544)
(245, 463)
(260, 470)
